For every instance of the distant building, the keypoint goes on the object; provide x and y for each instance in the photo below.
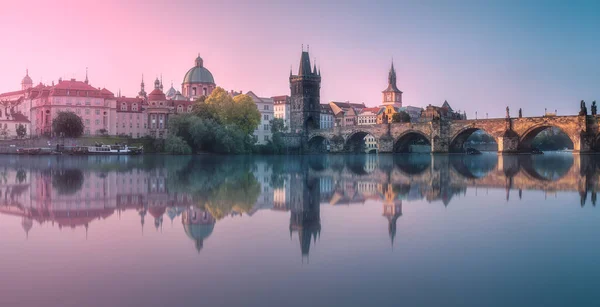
(413, 112)
(368, 116)
(326, 117)
(265, 107)
(346, 113)
(370, 143)
(443, 112)
(281, 109)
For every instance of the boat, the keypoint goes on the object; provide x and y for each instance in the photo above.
(108, 150)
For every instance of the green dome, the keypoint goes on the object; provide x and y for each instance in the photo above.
(198, 74)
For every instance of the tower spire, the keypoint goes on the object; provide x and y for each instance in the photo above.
(86, 76)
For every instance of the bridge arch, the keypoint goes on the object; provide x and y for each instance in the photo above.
(410, 137)
(356, 142)
(318, 143)
(526, 138)
(458, 140)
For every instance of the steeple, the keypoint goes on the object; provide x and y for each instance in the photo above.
(142, 93)
(304, 68)
(86, 76)
(392, 95)
(161, 84)
(156, 84)
(315, 68)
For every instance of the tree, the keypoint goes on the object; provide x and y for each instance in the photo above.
(401, 117)
(68, 124)
(177, 145)
(277, 125)
(21, 131)
(244, 114)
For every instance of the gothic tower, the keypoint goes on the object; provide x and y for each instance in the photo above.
(305, 98)
(392, 95)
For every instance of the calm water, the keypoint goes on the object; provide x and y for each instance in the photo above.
(370, 230)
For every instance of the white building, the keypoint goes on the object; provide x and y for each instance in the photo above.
(368, 116)
(265, 107)
(370, 143)
(281, 106)
(326, 117)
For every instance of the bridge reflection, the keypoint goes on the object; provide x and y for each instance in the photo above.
(199, 191)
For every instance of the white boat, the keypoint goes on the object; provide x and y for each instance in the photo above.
(112, 150)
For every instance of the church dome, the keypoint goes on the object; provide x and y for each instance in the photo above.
(198, 73)
(171, 92)
(198, 225)
(27, 79)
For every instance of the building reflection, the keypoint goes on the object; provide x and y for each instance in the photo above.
(77, 191)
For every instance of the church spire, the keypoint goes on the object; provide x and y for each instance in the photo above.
(392, 75)
(142, 93)
(86, 76)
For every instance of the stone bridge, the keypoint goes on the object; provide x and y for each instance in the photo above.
(511, 134)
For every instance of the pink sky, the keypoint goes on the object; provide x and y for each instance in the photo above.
(471, 58)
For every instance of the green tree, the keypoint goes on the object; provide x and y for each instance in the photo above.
(21, 131)
(244, 114)
(68, 124)
(177, 145)
(401, 117)
(277, 125)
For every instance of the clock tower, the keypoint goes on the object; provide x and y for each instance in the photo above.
(392, 96)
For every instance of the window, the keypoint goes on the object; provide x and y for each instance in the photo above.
(179, 109)
(87, 122)
(134, 107)
(204, 91)
(266, 137)
(123, 106)
(266, 107)
(97, 122)
(266, 126)
(97, 112)
(87, 111)
(193, 91)
(189, 108)
(87, 103)
(266, 117)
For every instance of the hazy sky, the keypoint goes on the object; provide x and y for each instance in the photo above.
(479, 55)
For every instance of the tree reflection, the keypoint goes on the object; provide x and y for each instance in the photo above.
(67, 181)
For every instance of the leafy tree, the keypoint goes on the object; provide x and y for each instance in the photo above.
(177, 145)
(401, 117)
(244, 114)
(277, 125)
(21, 131)
(68, 124)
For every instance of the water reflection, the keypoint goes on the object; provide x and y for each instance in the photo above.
(200, 191)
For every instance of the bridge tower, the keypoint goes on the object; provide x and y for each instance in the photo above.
(305, 87)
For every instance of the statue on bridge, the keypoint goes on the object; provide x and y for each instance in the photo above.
(583, 109)
(594, 108)
(520, 112)
(507, 112)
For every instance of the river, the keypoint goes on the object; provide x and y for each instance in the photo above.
(315, 230)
